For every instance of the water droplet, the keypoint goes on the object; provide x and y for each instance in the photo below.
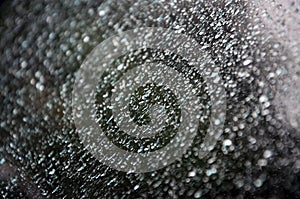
(247, 62)
(192, 174)
(263, 98)
(267, 154)
(227, 142)
(52, 172)
(211, 171)
(86, 39)
(262, 162)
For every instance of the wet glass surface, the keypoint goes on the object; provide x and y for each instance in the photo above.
(254, 46)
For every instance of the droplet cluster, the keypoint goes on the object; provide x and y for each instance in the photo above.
(42, 45)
